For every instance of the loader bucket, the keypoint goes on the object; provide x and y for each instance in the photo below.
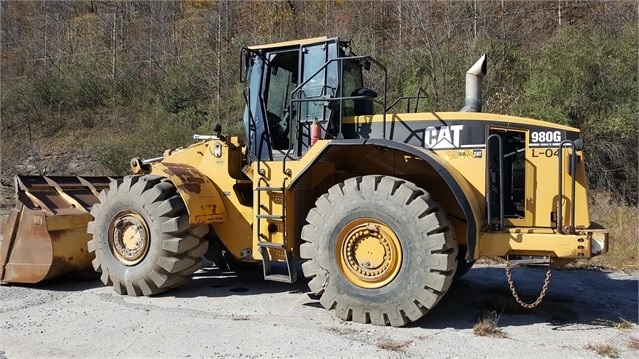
(46, 233)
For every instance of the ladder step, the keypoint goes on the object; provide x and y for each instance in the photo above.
(279, 278)
(269, 216)
(270, 245)
(283, 271)
(273, 189)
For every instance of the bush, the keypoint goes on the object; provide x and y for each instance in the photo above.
(590, 82)
(623, 223)
(155, 131)
(183, 87)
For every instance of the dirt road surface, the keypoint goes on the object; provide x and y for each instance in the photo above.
(237, 315)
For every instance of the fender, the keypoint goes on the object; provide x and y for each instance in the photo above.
(460, 188)
(199, 193)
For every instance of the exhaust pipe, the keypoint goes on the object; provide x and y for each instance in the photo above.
(474, 76)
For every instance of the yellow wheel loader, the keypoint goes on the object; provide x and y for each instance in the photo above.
(386, 208)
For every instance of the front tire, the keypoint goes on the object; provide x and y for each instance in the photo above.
(380, 251)
(142, 240)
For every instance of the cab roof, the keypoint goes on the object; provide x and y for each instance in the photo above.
(289, 43)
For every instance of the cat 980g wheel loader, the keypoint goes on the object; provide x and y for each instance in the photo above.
(386, 208)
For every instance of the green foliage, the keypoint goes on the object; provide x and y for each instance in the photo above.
(45, 104)
(114, 155)
(228, 114)
(144, 114)
(440, 75)
(73, 86)
(507, 71)
(581, 80)
(81, 88)
(590, 82)
(153, 134)
(183, 87)
(18, 103)
(130, 88)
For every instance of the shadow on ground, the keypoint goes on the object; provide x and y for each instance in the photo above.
(584, 299)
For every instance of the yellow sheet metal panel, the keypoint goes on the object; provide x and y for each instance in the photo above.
(540, 165)
(582, 215)
(274, 176)
(470, 163)
(220, 163)
(535, 242)
(201, 197)
(344, 160)
(450, 116)
(211, 161)
(467, 188)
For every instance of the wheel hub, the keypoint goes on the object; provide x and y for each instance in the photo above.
(129, 237)
(369, 253)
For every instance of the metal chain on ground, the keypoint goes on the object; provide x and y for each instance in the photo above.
(544, 289)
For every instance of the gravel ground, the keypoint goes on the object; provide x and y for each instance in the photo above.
(238, 315)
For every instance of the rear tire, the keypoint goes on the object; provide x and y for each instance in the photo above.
(142, 240)
(380, 251)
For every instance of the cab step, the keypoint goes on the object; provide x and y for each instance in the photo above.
(275, 270)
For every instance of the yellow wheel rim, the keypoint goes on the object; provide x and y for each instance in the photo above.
(368, 253)
(129, 237)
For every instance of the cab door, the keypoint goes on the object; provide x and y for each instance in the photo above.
(319, 83)
(255, 121)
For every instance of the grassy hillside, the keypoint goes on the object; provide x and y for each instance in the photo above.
(623, 223)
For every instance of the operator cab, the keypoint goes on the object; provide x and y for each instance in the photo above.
(292, 85)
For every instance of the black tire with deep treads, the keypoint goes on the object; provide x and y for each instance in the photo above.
(175, 246)
(428, 249)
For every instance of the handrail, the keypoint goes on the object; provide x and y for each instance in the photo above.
(409, 98)
(284, 209)
(242, 63)
(252, 126)
(342, 98)
(267, 128)
(340, 61)
(259, 205)
(572, 172)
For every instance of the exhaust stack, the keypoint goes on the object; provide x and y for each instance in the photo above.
(474, 76)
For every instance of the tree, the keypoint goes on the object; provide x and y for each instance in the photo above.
(590, 82)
